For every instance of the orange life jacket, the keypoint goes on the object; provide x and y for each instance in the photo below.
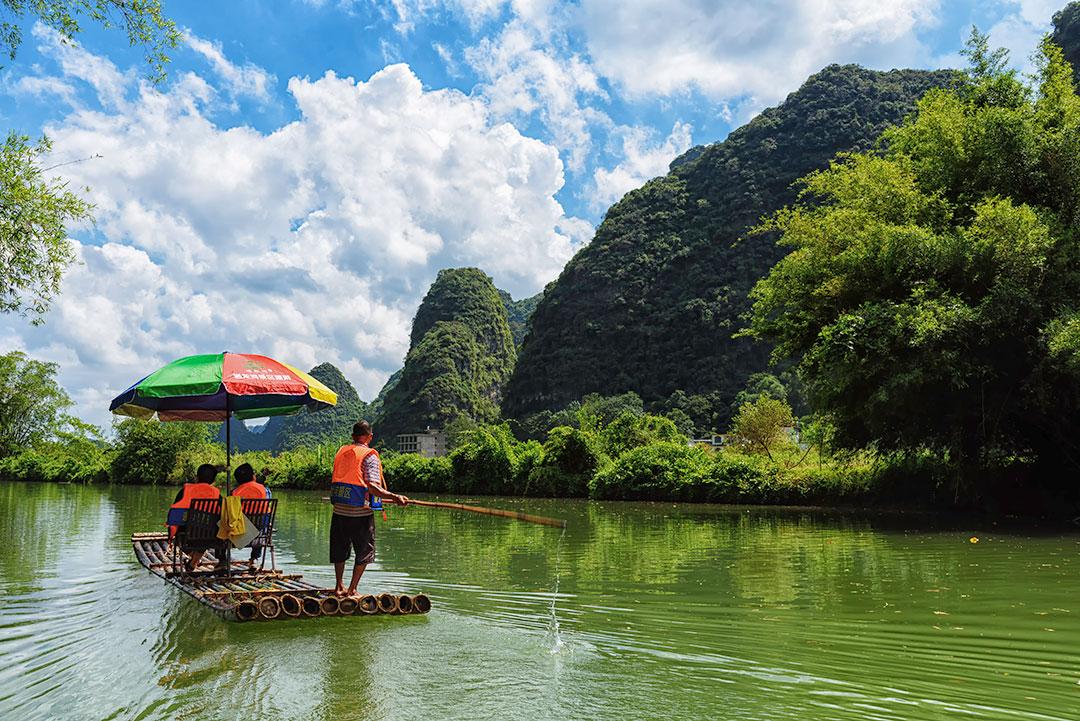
(178, 510)
(251, 489)
(347, 483)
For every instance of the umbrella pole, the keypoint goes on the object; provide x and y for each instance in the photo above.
(228, 472)
(228, 448)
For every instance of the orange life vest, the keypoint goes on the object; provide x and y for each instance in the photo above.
(178, 510)
(251, 489)
(347, 483)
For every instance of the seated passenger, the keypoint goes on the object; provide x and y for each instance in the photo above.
(202, 488)
(248, 487)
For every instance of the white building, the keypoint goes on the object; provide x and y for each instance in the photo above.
(428, 444)
(711, 441)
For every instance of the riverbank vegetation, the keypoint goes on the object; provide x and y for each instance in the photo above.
(607, 448)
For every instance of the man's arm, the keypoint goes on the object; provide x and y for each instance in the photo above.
(390, 495)
(372, 471)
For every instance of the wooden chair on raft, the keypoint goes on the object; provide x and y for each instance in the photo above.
(200, 528)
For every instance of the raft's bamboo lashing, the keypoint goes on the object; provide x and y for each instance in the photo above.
(245, 595)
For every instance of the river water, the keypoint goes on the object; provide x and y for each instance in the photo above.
(663, 611)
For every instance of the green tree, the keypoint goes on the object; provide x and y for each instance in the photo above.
(32, 404)
(34, 214)
(143, 21)
(484, 461)
(758, 385)
(761, 424)
(931, 294)
(570, 458)
(631, 430)
(597, 411)
(150, 452)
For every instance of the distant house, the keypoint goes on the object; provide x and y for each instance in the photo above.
(711, 441)
(428, 444)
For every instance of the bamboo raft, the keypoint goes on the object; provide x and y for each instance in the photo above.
(260, 595)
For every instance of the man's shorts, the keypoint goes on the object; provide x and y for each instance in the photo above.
(355, 531)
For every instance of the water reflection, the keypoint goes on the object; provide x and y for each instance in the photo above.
(683, 611)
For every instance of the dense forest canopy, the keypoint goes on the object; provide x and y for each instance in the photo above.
(1066, 33)
(652, 304)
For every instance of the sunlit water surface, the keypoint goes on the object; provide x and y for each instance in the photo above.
(663, 611)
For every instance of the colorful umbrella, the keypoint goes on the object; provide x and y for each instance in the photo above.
(215, 387)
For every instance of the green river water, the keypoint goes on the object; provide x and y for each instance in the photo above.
(662, 611)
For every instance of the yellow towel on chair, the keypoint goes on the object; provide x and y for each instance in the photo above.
(231, 524)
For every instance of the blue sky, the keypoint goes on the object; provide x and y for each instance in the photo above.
(309, 166)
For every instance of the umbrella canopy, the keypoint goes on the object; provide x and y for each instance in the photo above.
(217, 386)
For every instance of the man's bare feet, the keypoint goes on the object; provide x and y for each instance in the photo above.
(352, 593)
(339, 591)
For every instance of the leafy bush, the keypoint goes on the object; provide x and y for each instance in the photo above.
(570, 458)
(661, 471)
(57, 463)
(528, 456)
(484, 462)
(408, 472)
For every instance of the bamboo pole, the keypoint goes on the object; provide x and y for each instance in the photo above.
(290, 605)
(387, 603)
(421, 603)
(368, 604)
(543, 520)
(269, 607)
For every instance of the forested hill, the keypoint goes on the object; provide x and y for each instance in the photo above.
(461, 353)
(332, 425)
(1067, 34)
(650, 305)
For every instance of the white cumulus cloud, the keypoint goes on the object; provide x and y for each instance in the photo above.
(728, 49)
(523, 74)
(312, 242)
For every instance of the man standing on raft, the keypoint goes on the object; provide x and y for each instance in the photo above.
(356, 481)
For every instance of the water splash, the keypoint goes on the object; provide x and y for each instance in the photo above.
(557, 642)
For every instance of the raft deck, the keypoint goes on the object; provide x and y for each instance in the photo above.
(247, 594)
